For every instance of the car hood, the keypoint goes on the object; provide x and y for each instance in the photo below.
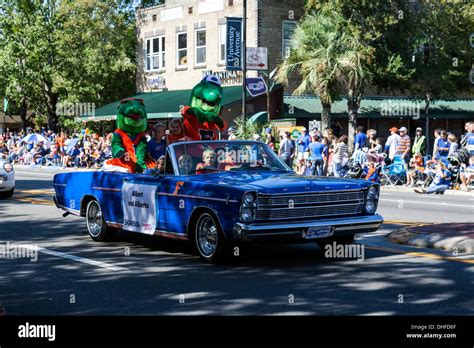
(274, 183)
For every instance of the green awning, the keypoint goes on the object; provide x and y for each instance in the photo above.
(161, 105)
(371, 107)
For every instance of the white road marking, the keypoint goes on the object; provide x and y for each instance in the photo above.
(432, 203)
(76, 258)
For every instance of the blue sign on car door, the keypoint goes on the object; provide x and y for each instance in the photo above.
(234, 44)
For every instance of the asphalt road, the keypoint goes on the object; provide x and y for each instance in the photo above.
(144, 275)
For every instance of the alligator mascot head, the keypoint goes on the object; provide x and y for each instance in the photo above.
(202, 118)
(131, 116)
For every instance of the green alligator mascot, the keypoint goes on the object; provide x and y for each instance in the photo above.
(202, 120)
(129, 141)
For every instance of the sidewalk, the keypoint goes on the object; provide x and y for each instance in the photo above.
(49, 169)
(400, 188)
(455, 237)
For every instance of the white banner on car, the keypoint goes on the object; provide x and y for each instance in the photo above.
(139, 208)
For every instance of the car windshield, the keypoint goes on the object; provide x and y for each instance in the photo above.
(225, 156)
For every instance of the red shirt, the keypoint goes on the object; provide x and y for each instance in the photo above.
(199, 131)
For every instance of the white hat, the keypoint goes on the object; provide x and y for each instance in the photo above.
(213, 79)
(256, 136)
(304, 129)
(403, 129)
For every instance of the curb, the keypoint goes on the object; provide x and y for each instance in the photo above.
(406, 189)
(435, 241)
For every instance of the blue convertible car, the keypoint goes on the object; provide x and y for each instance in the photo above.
(218, 193)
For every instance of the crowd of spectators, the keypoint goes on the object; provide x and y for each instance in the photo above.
(312, 153)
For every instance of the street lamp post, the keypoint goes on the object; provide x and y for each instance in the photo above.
(244, 62)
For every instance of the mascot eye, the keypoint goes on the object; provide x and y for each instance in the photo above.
(207, 102)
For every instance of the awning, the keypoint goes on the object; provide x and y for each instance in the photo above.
(378, 106)
(163, 105)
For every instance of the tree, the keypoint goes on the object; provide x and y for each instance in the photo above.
(441, 53)
(67, 51)
(331, 59)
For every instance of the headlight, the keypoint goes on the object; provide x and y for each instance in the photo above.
(247, 214)
(370, 206)
(249, 198)
(372, 199)
(372, 193)
(8, 167)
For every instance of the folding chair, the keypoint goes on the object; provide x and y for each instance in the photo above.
(394, 173)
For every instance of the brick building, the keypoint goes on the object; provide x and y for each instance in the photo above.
(181, 40)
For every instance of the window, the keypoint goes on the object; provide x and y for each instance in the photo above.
(222, 43)
(288, 30)
(201, 47)
(155, 53)
(182, 49)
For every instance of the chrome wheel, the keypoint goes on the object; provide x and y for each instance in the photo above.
(94, 220)
(206, 235)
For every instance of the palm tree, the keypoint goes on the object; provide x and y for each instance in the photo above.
(330, 59)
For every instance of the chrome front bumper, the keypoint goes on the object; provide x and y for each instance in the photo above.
(297, 230)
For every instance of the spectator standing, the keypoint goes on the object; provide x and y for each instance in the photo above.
(468, 138)
(437, 135)
(453, 144)
(391, 145)
(316, 150)
(442, 146)
(303, 142)
(404, 145)
(287, 149)
(340, 153)
(419, 143)
(360, 140)
(270, 141)
(371, 140)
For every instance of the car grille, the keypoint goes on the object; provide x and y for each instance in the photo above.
(309, 205)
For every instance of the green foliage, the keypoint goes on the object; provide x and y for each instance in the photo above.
(245, 130)
(66, 51)
(330, 56)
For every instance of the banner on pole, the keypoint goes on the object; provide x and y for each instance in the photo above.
(234, 44)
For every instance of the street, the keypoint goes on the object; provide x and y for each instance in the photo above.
(138, 274)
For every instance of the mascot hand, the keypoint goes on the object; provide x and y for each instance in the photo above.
(201, 116)
(140, 167)
(212, 117)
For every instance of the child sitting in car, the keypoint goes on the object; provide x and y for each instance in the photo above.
(208, 162)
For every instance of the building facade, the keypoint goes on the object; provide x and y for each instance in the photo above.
(180, 41)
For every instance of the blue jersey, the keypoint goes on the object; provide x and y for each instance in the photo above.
(470, 143)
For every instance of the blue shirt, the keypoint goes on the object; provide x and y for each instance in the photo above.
(317, 150)
(156, 149)
(305, 140)
(443, 147)
(443, 181)
(360, 139)
(470, 143)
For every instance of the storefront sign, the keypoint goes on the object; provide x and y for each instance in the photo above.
(228, 78)
(156, 82)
